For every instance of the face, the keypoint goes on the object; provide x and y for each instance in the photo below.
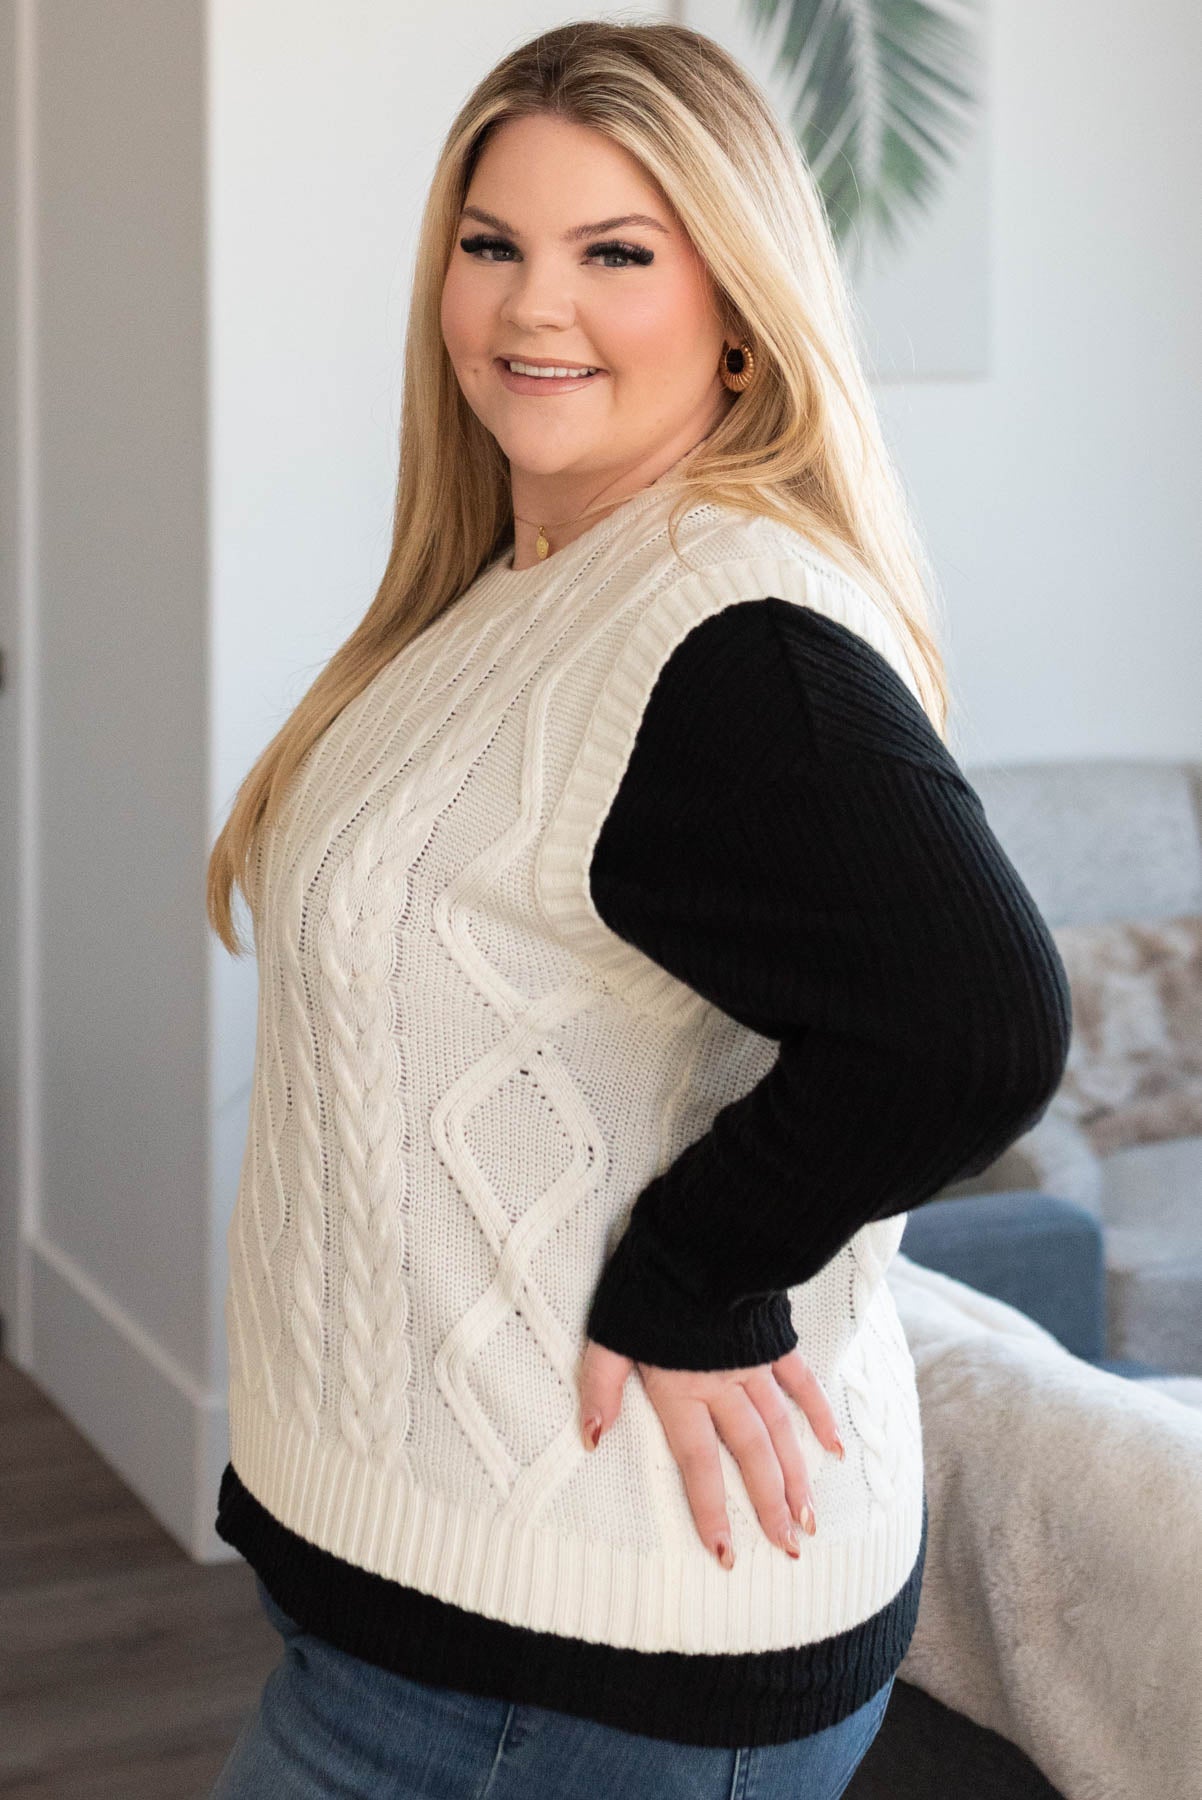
(550, 266)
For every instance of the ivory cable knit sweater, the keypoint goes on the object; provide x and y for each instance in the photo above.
(636, 882)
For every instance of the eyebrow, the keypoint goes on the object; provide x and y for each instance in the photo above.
(577, 231)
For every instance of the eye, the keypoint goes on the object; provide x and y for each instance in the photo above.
(633, 253)
(630, 253)
(476, 245)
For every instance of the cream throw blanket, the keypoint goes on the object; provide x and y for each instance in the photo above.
(1062, 1597)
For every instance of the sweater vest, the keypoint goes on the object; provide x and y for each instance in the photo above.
(463, 1080)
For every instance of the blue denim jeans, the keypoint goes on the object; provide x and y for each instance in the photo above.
(328, 1723)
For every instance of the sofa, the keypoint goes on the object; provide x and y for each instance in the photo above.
(1091, 1224)
(1111, 851)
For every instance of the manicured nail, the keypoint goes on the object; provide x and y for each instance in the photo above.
(840, 1452)
(724, 1553)
(792, 1542)
(592, 1431)
(808, 1522)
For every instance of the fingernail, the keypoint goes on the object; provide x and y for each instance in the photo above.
(840, 1452)
(792, 1542)
(724, 1553)
(592, 1431)
(806, 1519)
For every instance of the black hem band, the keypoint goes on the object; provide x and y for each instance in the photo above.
(722, 1700)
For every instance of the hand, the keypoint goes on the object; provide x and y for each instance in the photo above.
(746, 1409)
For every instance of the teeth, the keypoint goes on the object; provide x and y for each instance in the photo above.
(521, 368)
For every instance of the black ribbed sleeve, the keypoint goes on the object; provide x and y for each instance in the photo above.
(792, 839)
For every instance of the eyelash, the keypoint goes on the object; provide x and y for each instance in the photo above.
(634, 253)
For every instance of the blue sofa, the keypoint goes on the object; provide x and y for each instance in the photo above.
(1044, 1256)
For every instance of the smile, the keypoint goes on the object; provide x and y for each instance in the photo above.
(543, 372)
(545, 378)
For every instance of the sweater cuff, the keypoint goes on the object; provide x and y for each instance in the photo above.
(641, 1311)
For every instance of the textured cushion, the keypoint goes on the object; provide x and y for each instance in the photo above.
(1134, 1073)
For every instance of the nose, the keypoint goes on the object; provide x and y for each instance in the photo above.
(538, 296)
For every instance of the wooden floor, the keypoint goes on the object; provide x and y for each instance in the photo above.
(126, 1669)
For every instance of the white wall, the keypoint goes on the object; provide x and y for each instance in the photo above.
(224, 200)
(1057, 492)
(110, 676)
(1061, 495)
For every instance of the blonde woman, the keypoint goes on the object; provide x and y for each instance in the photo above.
(632, 955)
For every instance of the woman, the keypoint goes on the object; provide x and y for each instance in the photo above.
(633, 954)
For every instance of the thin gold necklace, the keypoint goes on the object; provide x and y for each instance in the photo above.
(542, 544)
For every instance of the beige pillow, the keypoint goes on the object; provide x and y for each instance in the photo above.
(1134, 1072)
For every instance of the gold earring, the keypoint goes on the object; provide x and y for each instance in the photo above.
(736, 366)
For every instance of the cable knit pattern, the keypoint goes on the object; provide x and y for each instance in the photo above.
(873, 1403)
(464, 1079)
(367, 1068)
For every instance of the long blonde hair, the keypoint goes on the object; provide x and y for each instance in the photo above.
(802, 444)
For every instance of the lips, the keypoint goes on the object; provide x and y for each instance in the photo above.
(544, 384)
(550, 362)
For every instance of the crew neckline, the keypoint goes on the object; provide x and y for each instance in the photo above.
(597, 535)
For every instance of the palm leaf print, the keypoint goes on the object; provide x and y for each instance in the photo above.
(881, 96)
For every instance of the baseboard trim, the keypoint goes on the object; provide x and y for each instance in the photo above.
(163, 1434)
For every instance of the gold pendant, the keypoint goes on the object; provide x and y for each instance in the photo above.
(541, 544)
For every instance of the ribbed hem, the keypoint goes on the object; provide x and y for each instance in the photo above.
(502, 1564)
(721, 1700)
